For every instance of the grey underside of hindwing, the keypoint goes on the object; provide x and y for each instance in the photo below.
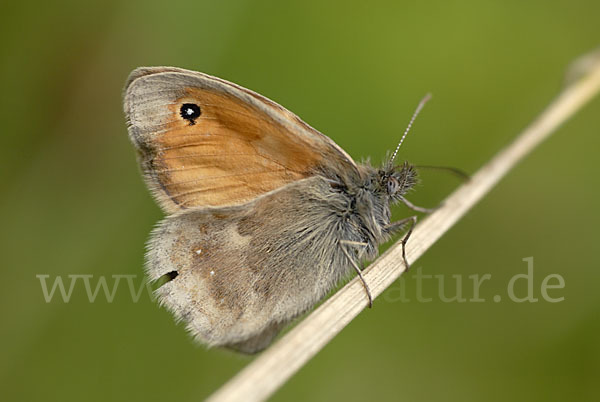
(245, 271)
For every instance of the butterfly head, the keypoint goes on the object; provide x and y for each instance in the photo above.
(397, 180)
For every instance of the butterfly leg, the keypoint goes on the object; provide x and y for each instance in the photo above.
(399, 225)
(344, 243)
(417, 208)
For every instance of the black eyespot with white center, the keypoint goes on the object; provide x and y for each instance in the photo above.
(190, 112)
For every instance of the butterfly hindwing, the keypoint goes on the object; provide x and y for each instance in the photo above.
(240, 275)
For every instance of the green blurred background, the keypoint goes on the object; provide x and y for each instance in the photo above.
(73, 201)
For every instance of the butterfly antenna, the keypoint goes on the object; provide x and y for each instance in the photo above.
(410, 123)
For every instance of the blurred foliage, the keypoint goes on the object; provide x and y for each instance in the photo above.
(73, 201)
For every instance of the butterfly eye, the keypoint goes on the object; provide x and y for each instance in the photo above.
(190, 112)
(392, 185)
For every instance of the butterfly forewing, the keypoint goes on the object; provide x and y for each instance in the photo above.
(205, 142)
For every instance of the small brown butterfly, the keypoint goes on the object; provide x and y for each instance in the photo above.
(266, 214)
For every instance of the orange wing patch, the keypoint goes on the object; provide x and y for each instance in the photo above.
(212, 163)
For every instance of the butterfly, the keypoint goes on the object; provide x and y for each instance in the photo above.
(265, 215)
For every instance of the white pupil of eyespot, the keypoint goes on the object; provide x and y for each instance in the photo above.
(189, 111)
